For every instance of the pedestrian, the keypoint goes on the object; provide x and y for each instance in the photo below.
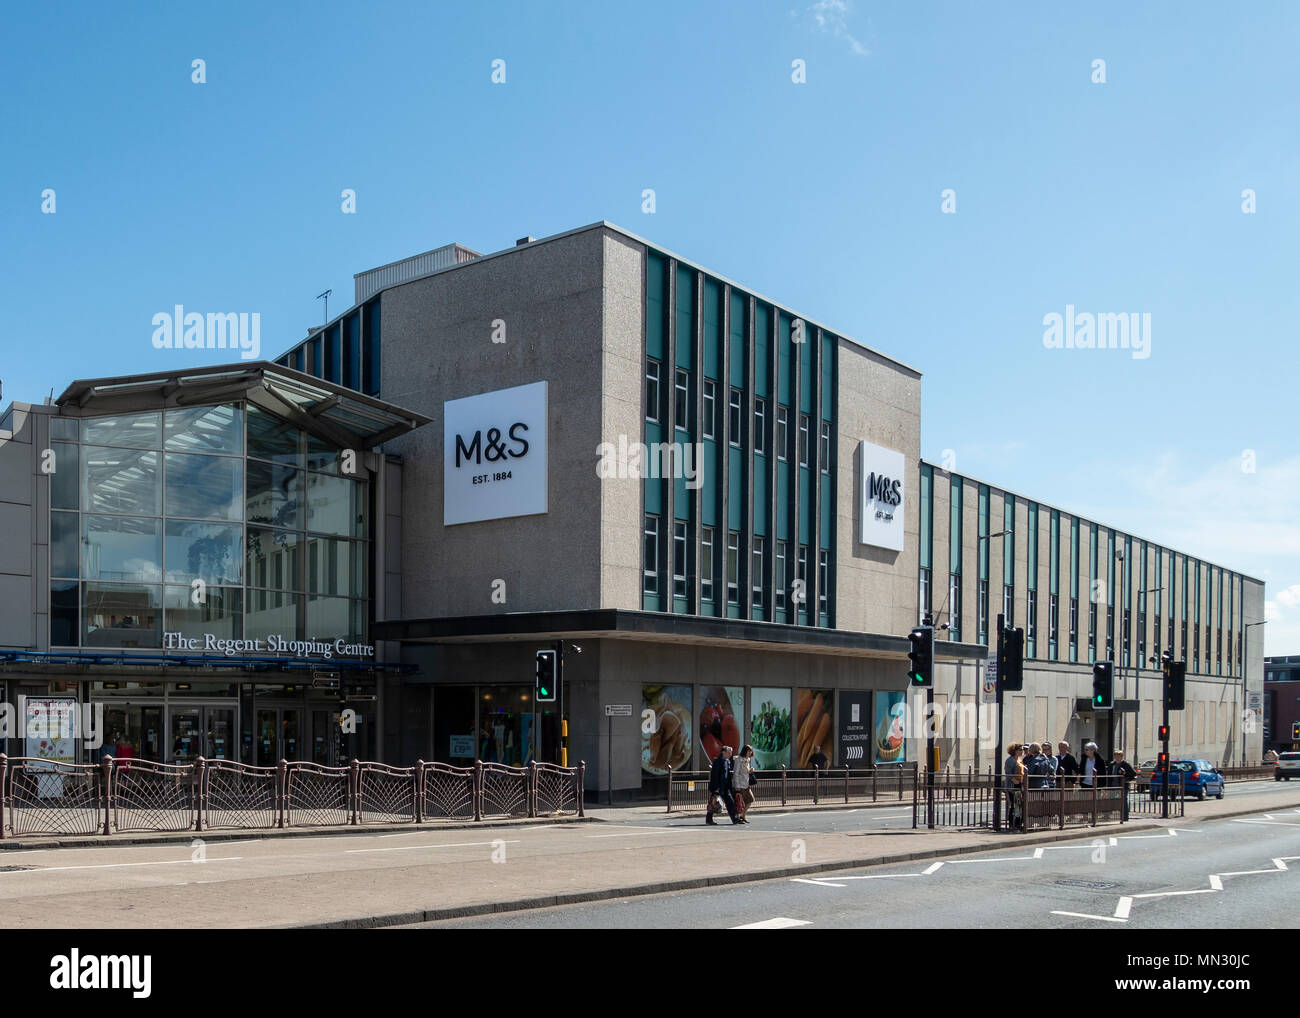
(1051, 764)
(1124, 773)
(1013, 777)
(720, 786)
(1036, 766)
(1092, 769)
(819, 759)
(742, 782)
(1067, 767)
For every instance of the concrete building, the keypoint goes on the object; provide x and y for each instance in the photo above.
(774, 573)
(1282, 702)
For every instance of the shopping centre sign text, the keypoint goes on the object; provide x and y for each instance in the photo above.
(270, 645)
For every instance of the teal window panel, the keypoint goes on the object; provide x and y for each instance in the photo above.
(655, 317)
(825, 533)
(762, 349)
(927, 515)
(1032, 546)
(683, 498)
(709, 484)
(712, 328)
(984, 531)
(654, 487)
(650, 602)
(1009, 542)
(760, 495)
(805, 370)
(735, 489)
(828, 377)
(785, 370)
(782, 500)
(1074, 556)
(805, 505)
(1055, 539)
(685, 318)
(954, 526)
(738, 340)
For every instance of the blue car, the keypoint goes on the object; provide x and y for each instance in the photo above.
(1198, 778)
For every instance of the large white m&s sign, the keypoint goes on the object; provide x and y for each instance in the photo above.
(883, 490)
(494, 455)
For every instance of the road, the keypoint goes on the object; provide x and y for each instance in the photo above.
(1242, 872)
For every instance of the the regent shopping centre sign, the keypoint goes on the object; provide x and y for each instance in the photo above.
(278, 645)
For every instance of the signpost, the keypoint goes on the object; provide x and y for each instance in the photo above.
(612, 711)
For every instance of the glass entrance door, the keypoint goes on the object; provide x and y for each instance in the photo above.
(279, 735)
(219, 723)
(200, 730)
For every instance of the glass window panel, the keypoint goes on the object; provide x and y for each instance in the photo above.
(271, 613)
(274, 559)
(334, 506)
(274, 495)
(203, 551)
(220, 613)
(121, 615)
(207, 487)
(64, 544)
(121, 481)
(65, 482)
(270, 438)
(206, 429)
(335, 567)
(138, 431)
(63, 613)
(64, 428)
(329, 618)
(121, 548)
(322, 455)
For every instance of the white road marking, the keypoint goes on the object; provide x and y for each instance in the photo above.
(629, 834)
(933, 868)
(408, 848)
(119, 865)
(1085, 915)
(1004, 858)
(779, 923)
(819, 883)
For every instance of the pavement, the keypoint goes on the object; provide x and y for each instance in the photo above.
(388, 877)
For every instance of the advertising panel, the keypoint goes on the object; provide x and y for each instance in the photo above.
(494, 455)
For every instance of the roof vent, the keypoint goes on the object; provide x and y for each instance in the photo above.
(524, 240)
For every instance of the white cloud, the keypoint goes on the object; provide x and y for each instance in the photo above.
(832, 16)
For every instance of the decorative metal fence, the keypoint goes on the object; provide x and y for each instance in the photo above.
(40, 796)
(969, 801)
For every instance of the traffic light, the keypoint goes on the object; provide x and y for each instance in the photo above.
(921, 656)
(1103, 685)
(1175, 680)
(1295, 731)
(1164, 733)
(545, 688)
(1011, 659)
(1162, 760)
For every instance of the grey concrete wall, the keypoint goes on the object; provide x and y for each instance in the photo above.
(24, 557)
(437, 347)
(880, 402)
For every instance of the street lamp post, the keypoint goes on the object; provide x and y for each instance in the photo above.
(1245, 663)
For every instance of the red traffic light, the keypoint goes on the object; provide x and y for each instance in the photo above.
(1163, 759)
(1164, 733)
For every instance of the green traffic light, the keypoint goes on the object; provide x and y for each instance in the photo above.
(544, 691)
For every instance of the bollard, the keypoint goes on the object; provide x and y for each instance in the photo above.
(418, 799)
(107, 765)
(354, 788)
(282, 784)
(199, 771)
(582, 785)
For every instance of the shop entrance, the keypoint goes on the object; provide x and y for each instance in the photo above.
(278, 734)
(201, 730)
(133, 731)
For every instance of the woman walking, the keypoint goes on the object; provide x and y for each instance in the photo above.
(742, 782)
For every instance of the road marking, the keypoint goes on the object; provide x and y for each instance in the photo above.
(408, 848)
(1004, 858)
(779, 923)
(931, 869)
(630, 834)
(819, 883)
(1085, 915)
(1124, 907)
(119, 865)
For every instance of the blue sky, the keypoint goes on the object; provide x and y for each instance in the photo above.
(1117, 197)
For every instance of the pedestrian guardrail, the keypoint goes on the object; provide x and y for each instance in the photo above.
(688, 790)
(40, 796)
(1254, 773)
(970, 802)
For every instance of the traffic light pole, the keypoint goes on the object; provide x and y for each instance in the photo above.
(559, 703)
(1164, 767)
(997, 749)
(929, 729)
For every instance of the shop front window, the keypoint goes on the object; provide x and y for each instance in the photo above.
(506, 730)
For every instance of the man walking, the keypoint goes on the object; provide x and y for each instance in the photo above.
(1124, 771)
(1066, 765)
(720, 786)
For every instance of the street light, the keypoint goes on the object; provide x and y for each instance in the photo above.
(1245, 658)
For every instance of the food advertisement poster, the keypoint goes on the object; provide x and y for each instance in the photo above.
(814, 715)
(770, 728)
(722, 711)
(888, 741)
(855, 729)
(665, 728)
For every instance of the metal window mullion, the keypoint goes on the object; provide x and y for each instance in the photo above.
(694, 585)
(747, 459)
(667, 398)
(722, 531)
(815, 480)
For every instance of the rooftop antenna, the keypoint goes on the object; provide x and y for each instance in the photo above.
(325, 297)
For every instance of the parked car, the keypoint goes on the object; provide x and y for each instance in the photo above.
(1198, 778)
(1144, 774)
(1287, 767)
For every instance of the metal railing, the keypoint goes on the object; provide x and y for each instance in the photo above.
(688, 790)
(39, 796)
(1254, 773)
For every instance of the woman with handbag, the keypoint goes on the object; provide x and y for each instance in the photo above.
(742, 782)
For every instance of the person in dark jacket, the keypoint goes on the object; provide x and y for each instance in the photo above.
(1123, 772)
(1066, 765)
(720, 786)
(1092, 768)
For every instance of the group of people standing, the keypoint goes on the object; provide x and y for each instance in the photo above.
(731, 784)
(1033, 766)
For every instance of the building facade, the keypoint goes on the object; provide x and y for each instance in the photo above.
(734, 524)
(1282, 703)
(714, 507)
